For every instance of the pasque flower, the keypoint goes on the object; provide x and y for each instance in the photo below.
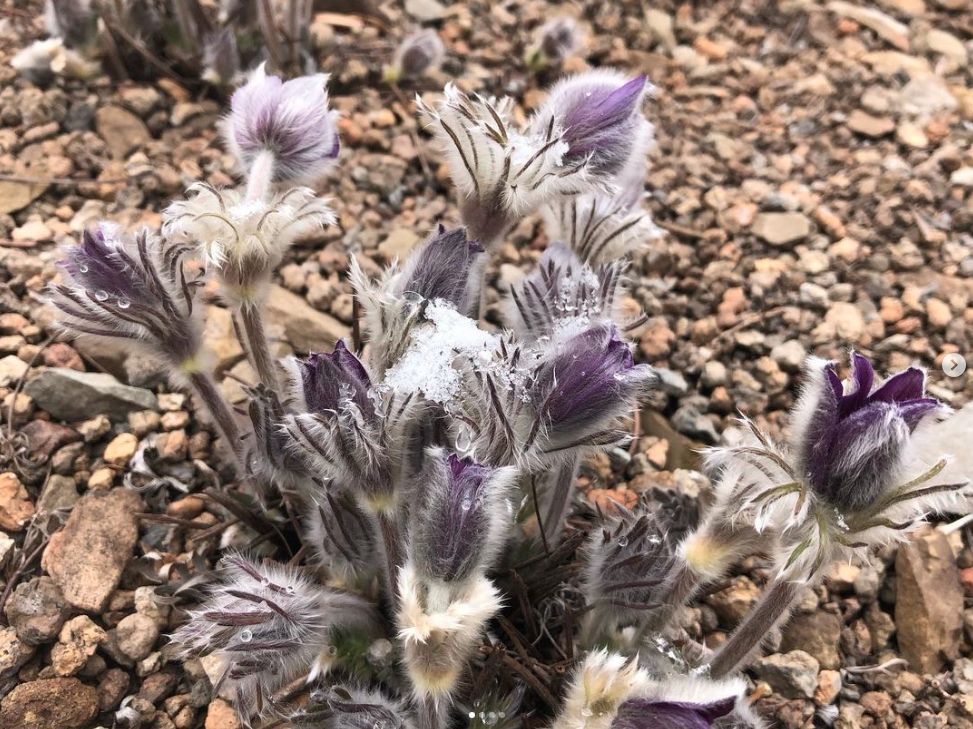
(460, 517)
(270, 624)
(417, 54)
(244, 239)
(285, 127)
(564, 294)
(557, 40)
(600, 115)
(852, 446)
(501, 173)
(588, 382)
(121, 289)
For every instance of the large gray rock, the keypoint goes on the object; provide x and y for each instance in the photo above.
(37, 610)
(70, 395)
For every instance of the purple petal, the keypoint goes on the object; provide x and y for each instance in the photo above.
(601, 116)
(863, 377)
(327, 379)
(647, 714)
(913, 411)
(907, 385)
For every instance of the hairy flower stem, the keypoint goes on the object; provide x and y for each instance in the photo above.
(390, 540)
(258, 348)
(260, 176)
(207, 391)
(772, 609)
(428, 714)
(681, 585)
(556, 491)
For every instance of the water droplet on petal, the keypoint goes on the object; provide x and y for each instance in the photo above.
(246, 636)
(586, 712)
(83, 268)
(623, 541)
(124, 303)
(101, 295)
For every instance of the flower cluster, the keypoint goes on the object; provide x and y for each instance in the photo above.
(419, 478)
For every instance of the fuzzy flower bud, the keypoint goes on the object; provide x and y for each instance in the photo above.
(850, 445)
(117, 289)
(269, 624)
(564, 293)
(446, 267)
(324, 381)
(460, 520)
(601, 115)
(439, 626)
(242, 239)
(340, 426)
(352, 707)
(289, 121)
(418, 54)
(501, 173)
(589, 381)
(557, 40)
(849, 477)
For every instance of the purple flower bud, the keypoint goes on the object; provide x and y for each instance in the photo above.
(656, 714)
(290, 120)
(591, 378)
(460, 521)
(560, 38)
(121, 290)
(444, 267)
(418, 54)
(221, 59)
(601, 118)
(850, 445)
(325, 381)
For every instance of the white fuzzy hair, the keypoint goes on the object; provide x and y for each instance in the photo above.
(273, 614)
(244, 240)
(600, 685)
(439, 626)
(487, 157)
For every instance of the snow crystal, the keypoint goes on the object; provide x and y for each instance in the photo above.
(427, 365)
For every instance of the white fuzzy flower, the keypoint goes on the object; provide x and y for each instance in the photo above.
(244, 239)
(502, 173)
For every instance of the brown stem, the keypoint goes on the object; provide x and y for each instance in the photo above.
(223, 417)
(429, 714)
(257, 346)
(773, 608)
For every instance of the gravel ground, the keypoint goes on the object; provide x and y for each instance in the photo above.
(814, 175)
